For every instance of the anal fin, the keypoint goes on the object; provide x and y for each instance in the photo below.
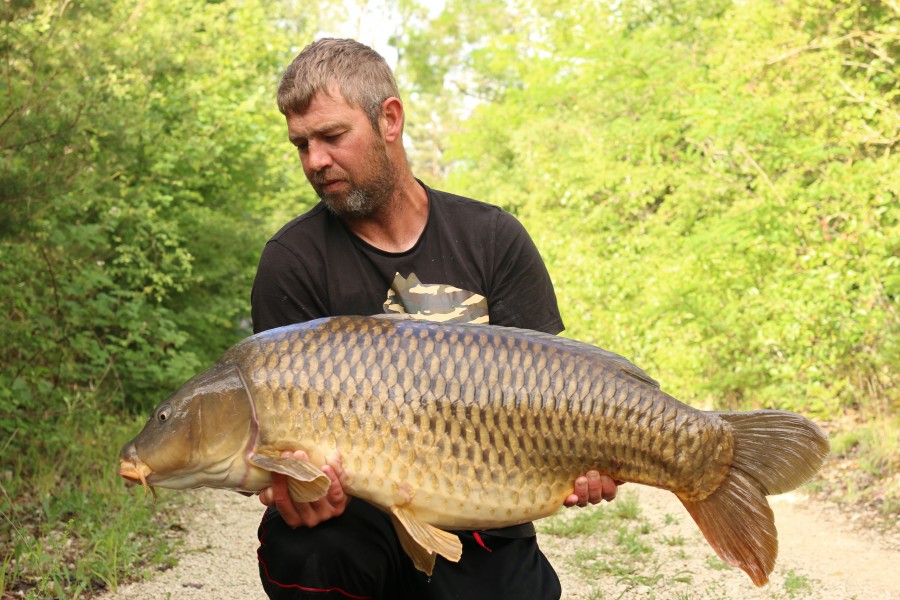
(422, 542)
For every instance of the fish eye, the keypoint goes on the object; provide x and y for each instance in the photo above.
(164, 414)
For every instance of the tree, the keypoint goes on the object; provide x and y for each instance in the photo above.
(144, 167)
(713, 184)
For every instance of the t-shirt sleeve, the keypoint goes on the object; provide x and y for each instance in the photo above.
(522, 293)
(281, 293)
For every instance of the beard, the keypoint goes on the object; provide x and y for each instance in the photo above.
(362, 199)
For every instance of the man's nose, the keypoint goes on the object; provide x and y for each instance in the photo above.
(317, 157)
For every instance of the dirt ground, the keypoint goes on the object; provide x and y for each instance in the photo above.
(824, 553)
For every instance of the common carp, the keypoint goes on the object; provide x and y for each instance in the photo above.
(451, 426)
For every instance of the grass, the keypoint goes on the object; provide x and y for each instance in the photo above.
(596, 518)
(634, 564)
(583, 523)
(872, 451)
(646, 557)
(627, 507)
(673, 540)
(797, 585)
(876, 443)
(70, 525)
(716, 564)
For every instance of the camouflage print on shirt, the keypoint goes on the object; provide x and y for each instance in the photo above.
(435, 301)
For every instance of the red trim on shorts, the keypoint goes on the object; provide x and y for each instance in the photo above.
(297, 585)
(480, 541)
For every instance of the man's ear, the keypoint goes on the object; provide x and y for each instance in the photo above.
(391, 119)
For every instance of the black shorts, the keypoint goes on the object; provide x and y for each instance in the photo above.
(357, 556)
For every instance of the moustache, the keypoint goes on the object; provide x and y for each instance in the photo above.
(327, 176)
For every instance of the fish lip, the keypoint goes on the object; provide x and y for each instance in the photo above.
(134, 470)
(129, 476)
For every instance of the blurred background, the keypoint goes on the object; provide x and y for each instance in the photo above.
(715, 186)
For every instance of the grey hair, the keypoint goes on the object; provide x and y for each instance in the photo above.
(361, 75)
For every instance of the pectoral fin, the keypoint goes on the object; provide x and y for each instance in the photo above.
(306, 482)
(422, 541)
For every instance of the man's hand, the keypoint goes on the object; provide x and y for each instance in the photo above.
(592, 488)
(306, 514)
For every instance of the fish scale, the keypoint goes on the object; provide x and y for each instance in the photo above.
(453, 426)
(422, 361)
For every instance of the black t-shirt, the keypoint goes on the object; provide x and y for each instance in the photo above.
(473, 263)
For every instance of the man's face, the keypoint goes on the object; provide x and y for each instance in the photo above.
(343, 157)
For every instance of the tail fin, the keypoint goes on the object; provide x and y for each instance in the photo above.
(774, 452)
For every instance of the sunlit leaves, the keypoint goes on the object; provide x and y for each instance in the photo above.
(713, 184)
(144, 165)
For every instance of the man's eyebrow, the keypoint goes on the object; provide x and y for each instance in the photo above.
(322, 129)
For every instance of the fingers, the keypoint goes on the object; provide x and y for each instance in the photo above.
(306, 514)
(600, 487)
(335, 499)
(591, 489)
(580, 495)
(607, 487)
(309, 514)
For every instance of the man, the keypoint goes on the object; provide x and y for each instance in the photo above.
(381, 241)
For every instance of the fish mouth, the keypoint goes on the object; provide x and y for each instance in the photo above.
(136, 471)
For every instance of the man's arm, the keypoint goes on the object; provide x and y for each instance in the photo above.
(281, 294)
(521, 293)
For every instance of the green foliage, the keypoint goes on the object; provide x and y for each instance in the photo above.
(877, 444)
(144, 164)
(713, 184)
(71, 526)
(871, 451)
(138, 150)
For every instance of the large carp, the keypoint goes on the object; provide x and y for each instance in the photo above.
(468, 427)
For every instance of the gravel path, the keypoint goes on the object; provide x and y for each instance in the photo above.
(824, 554)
